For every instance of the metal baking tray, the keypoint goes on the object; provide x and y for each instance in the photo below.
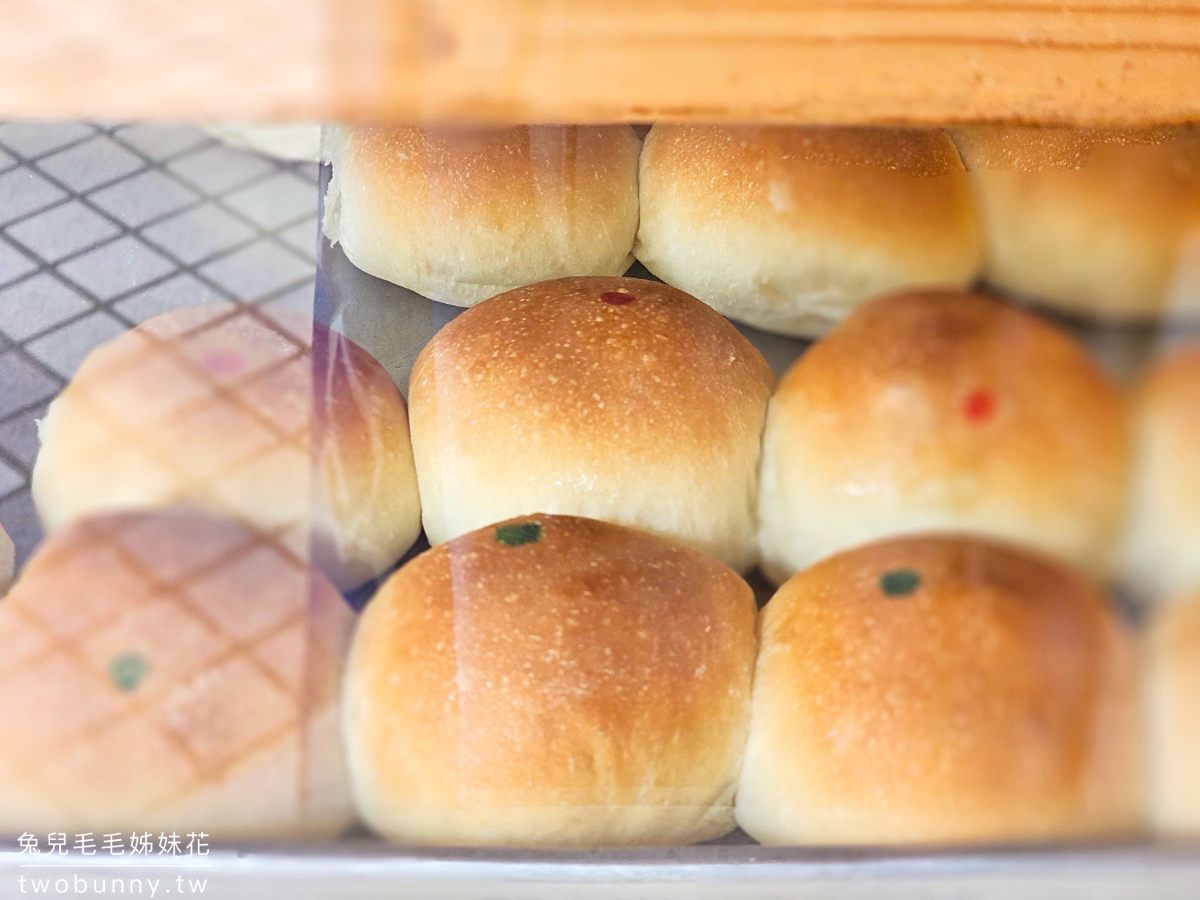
(368, 869)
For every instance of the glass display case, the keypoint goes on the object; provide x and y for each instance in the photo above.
(755, 484)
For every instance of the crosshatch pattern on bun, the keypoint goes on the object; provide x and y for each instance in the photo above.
(1163, 545)
(790, 228)
(614, 398)
(1098, 222)
(943, 411)
(171, 671)
(551, 681)
(1173, 716)
(938, 689)
(240, 412)
(460, 214)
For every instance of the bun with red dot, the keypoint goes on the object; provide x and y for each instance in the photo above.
(939, 690)
(460, 214)
(551, 681)
(265, 417)
(614, 398)
(943, 411)
(789, 228)
(172, 671)
(1163, 545)
(1173, 717)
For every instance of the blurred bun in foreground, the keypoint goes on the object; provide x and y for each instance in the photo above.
(1173, 715)
(943, 411)
(614, 398)
(551, 681)
(937, 689)
(7, 561)
(240, 412)
(789, 229)
(1095, 222)
(458, 215)
(1163, 548)
(171, 671)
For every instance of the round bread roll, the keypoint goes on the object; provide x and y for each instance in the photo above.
(237, 411)
(171, 671)
(943, 412)
(614, 398)
(459, 215)
(1101, 223)
(551, 681)
(7, 561)
(939, 689)
(1163, 544)
(1173, 718)
(790, 228)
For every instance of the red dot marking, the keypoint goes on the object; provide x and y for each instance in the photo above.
(979, 406)
(222, 362)
(616, 298)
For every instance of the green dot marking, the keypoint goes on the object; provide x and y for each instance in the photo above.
(519, 535)
(899, 582)
(127, 672)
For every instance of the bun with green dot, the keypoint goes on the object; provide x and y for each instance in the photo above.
(899, 582)
(519, 534)
(551, 681)
(943, 411)
(614, 398)
(940, 689)
(171, 671)
(126, 672)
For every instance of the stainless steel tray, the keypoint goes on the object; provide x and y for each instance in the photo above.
(368, 870)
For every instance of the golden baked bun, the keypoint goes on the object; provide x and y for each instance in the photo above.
(458, 215)
(171, 671)
(1173, 718)
(614, 398)
(230, 409)
(931, 411)
(938, 689)
(790, 228)
(1103, 223)
(7, 561)
(1163, 545)
(551, 681)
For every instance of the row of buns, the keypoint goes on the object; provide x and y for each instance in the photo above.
(629, 401)
(561, 681)
(784, 228)
(554, 680)
(558, 680)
